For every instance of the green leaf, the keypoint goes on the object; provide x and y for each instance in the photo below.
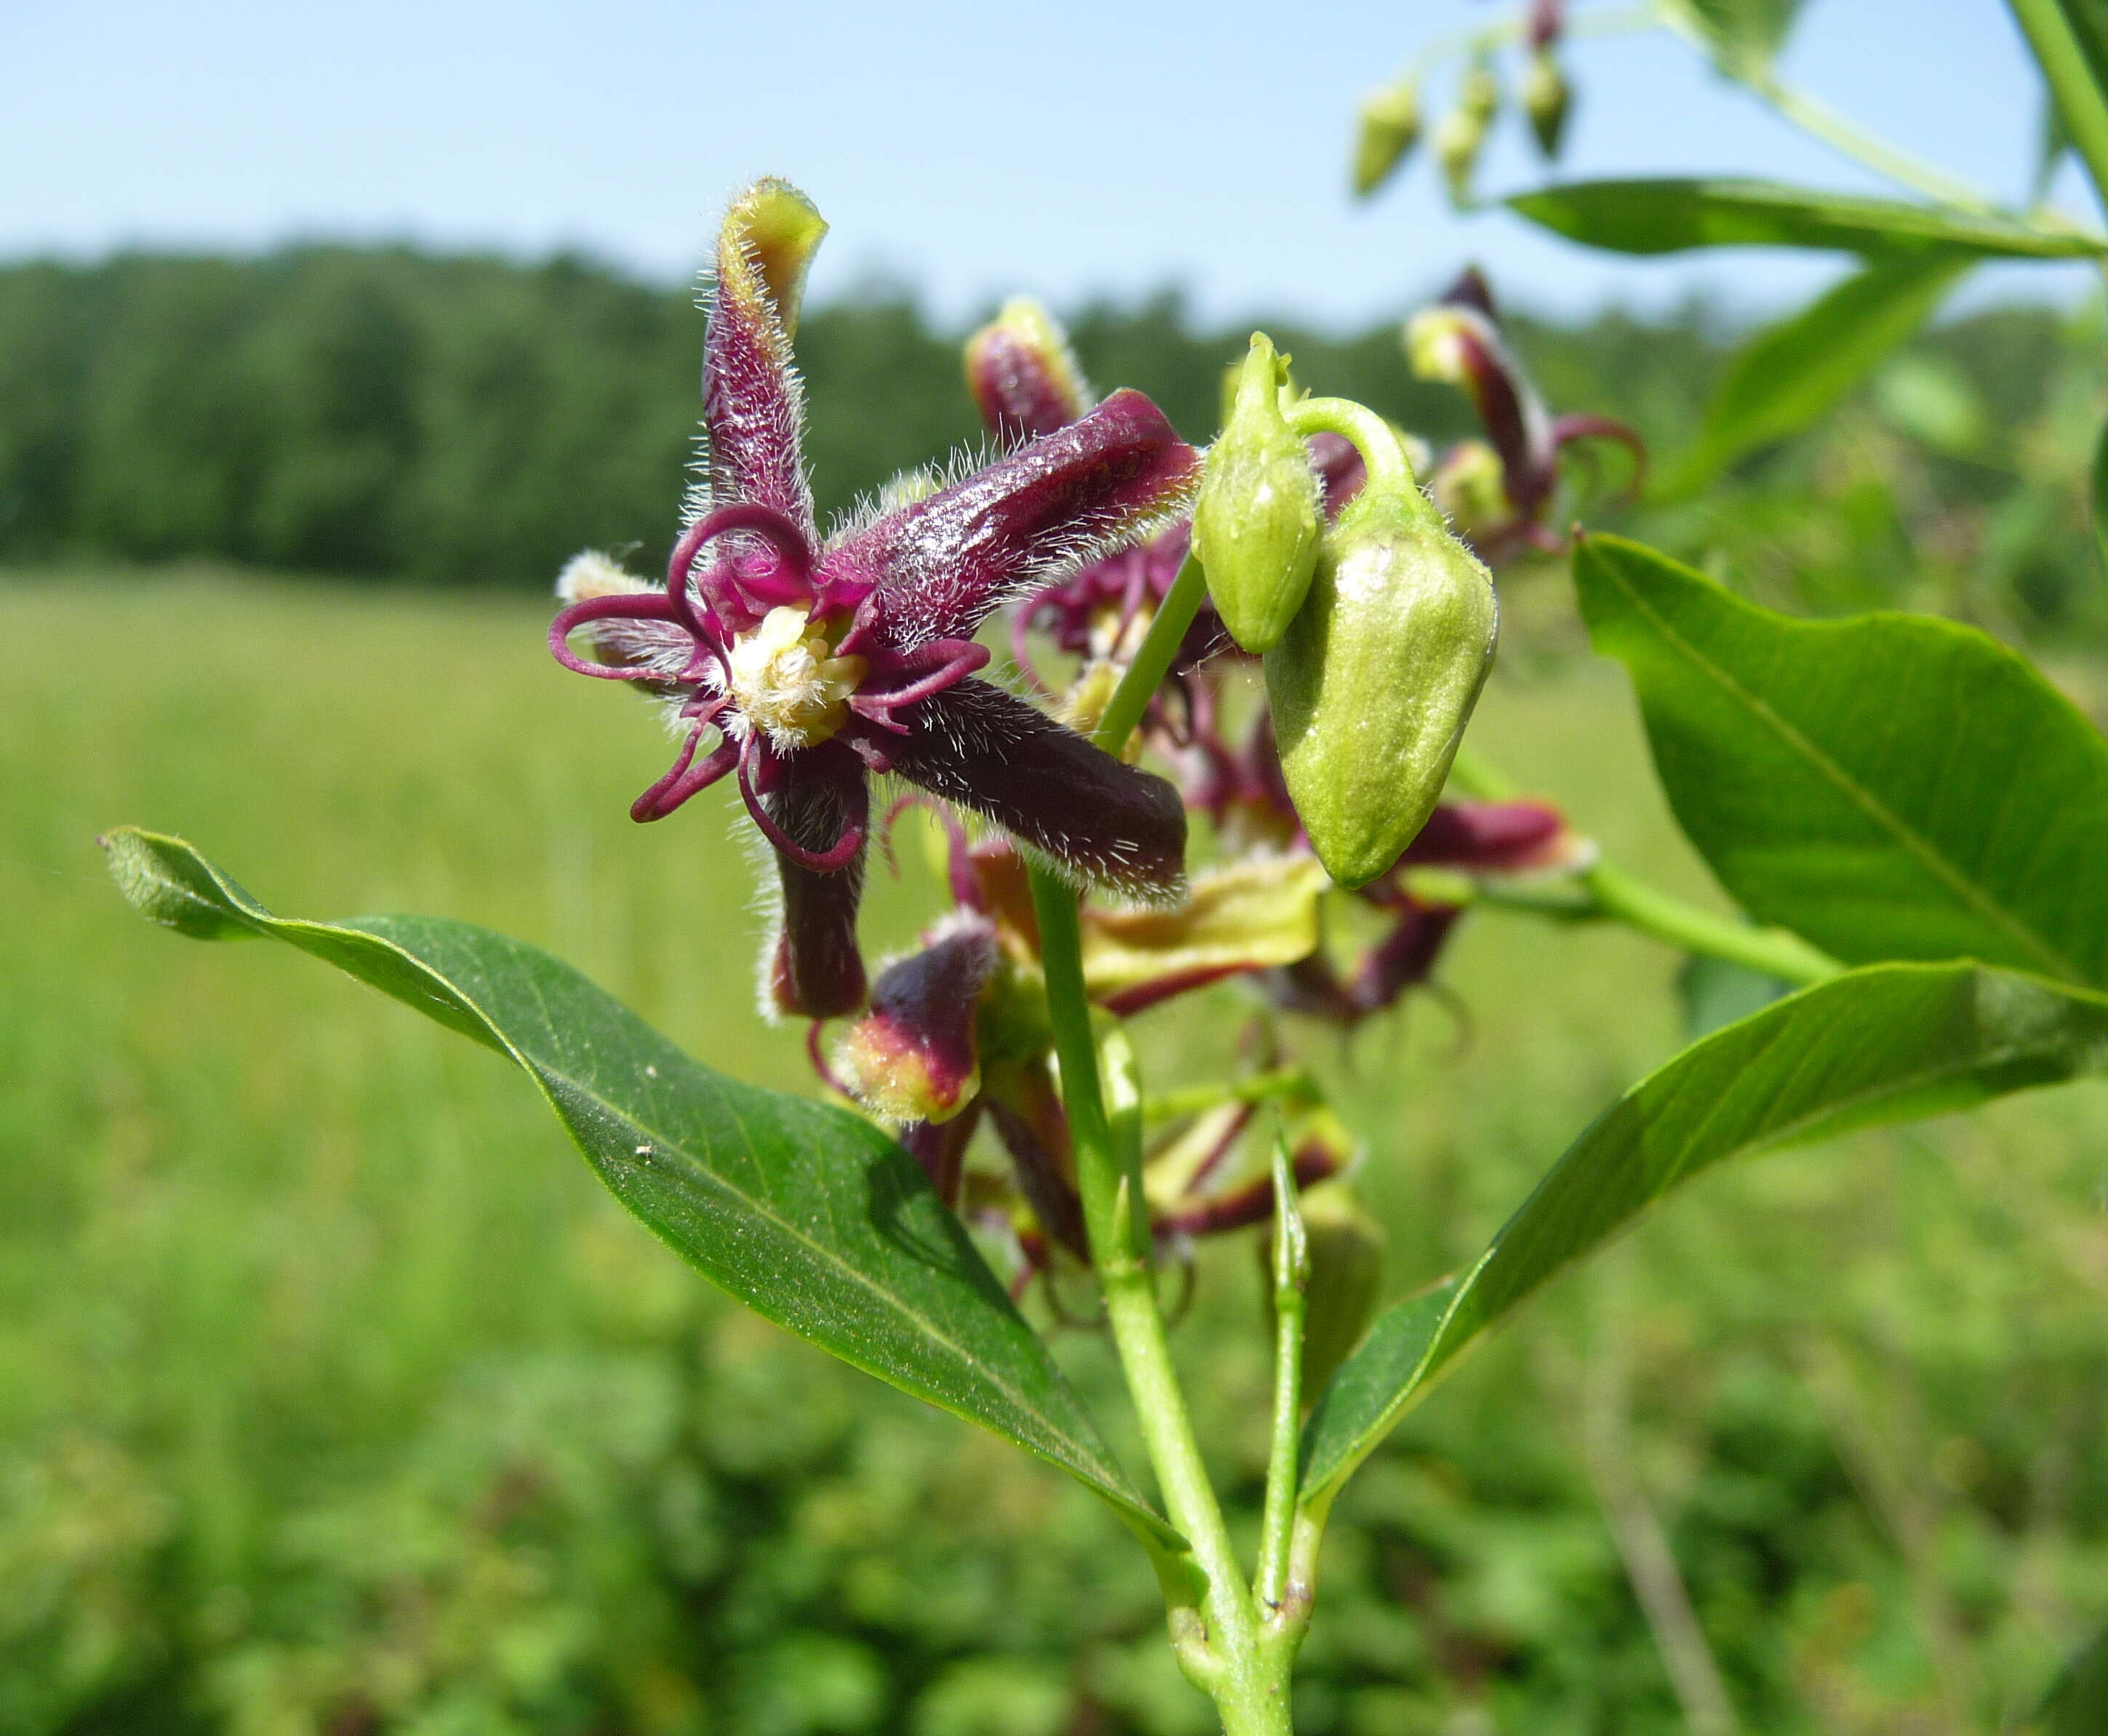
(1667, 216)
(806, 1213)
(1790, 374)
(1884, 1043)
(1743, 36)
(2070, 38)
(1888, 786)
(2077, 1703)
(1717, 991)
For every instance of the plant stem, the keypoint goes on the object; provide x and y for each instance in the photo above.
(1821, 122)
(1773, 952)
(1291, 1276)
(1290, 1085)
(1152, 662)
(1382, 450)
(2075, 83)
(1224, 1656)
(1614, 894)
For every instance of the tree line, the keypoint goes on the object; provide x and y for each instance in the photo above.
(384, 412)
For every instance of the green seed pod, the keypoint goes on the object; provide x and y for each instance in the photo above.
(1345, 1251)
(1256, 519)
(1388, 128)
(1547, 99)
(1375, 679)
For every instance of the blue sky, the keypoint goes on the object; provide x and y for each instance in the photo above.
(972, 151)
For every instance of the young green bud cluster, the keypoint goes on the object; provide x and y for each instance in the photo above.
(1461, 138)
(1388, 127)
(1375, 678)
(1256, 520)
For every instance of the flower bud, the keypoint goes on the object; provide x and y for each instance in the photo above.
(1461, 137)
(1470, 486)
(1389, 129)
(1377, 677)
(914, 1057)
(1256, 519)
(1547, 99)
(1022, 374)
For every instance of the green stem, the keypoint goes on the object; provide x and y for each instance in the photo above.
(1823, 123)
(1613, 893)
(2075, 80)
(1291, 1276)
(1382, 450)
(1152, 662)
(1221, 1651)
(1289, 1084)
(1223, 1656)
(1773, 952)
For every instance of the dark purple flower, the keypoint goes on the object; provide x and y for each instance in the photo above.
(1498, 491)
(814, 664)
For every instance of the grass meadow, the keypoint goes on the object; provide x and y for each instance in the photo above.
(334, 1397)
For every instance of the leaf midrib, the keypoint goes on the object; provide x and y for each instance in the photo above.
(1947, 872)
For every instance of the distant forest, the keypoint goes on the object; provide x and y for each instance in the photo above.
(468, 420)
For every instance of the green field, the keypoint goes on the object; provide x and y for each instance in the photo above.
(334, 1397)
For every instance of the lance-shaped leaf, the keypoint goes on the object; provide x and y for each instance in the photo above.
(1787, 375)
(2070, 38)
(808, 1214)
(1667, 216)
(1889, 786)
(1881, 1044)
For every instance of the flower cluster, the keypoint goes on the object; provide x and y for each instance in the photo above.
(801, 666)
(817, 663)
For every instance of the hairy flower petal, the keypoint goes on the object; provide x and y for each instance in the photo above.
(813, 969)
(1103, 821)
(943, 562)
(752, 407)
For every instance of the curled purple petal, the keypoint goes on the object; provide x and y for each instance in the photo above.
(1103, 821)
(943, 562)
(685, 779)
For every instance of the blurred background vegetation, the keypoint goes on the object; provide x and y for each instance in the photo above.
(336, 1397)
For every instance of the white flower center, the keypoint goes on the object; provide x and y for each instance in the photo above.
(787, 682)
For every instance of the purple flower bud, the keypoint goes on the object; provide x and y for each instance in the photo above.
(915, 1057)
(1022, 374)
(1457, 344)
